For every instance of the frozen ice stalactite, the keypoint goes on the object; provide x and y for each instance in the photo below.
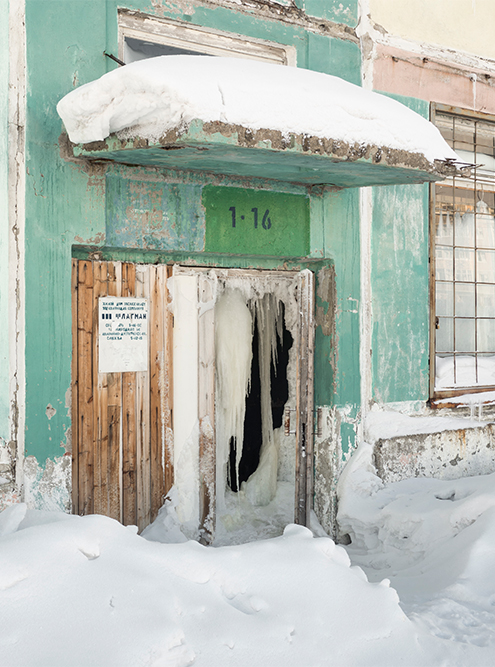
(233, 342)
(261, 486)
(233, 356)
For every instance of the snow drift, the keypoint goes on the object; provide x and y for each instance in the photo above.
(149, 97)
(88, 592)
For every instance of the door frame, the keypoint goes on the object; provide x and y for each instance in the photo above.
(304, 410)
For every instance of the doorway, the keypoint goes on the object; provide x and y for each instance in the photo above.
(243, 434)
(252, 463)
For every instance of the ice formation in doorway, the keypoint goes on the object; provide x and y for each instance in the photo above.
(233, 356)
(234, 329)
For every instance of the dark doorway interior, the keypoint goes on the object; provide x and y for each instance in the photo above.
(252, 422)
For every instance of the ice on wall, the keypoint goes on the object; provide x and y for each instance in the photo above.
(149, 97)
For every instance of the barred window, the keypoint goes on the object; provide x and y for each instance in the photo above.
(463, 260)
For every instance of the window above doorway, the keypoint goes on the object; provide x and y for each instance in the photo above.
(142, 36)
(463, 259)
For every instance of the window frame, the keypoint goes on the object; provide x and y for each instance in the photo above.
(171, 32)
(442, 394)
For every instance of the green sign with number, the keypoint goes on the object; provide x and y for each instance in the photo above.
(256, 222)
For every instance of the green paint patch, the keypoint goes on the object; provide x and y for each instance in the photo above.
(256, 222)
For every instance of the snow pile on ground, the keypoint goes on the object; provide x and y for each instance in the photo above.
(88, 591)
(435, 541)
(149, 97)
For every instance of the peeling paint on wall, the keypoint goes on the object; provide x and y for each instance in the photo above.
(7, 463)
(333, 447)
(50, 411)
(444, 455)
(49, 487)
(9, 491)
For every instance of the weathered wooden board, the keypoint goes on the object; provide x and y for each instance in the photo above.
(122, 466)
(305, 400)
(85, 384)
(206, 408)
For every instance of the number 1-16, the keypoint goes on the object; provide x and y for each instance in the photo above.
(266, 223)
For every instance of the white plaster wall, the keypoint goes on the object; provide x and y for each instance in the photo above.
(464, 25)
(12, 194)
(186, 429)
(48, 487)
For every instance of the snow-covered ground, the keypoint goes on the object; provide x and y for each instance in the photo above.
(88, 591)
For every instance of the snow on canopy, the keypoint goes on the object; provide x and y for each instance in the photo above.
(149, 97)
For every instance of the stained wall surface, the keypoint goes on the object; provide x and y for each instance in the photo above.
(4, 225)
(400, 288)
(70, 205)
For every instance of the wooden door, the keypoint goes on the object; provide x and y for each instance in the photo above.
(121, 422)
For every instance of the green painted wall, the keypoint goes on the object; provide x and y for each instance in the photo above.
(399, 278)
(4, 224)
(255, 222)
(333, 10)
(316, 52)
(342, 243)
(66, 201)
(63, 203)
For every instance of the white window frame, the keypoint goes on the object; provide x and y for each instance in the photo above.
(209, 41)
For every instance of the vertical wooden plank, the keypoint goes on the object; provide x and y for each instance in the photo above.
(168, 398)
(85, 387)
(158, 307)
(100, 399)
(206, 410)
(304, 408)
(108, 275)
(308, 317)
(113, 450)
(74, 389)
(143, 413)
(129, 439)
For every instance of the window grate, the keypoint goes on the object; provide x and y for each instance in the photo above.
(464, 259)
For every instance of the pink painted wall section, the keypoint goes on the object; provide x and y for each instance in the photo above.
(404, 73)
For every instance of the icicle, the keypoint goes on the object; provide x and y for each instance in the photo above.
(233, 356)
(261, 486)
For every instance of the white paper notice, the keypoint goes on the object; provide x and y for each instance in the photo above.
(123, 334)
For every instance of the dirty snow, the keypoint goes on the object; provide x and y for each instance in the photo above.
(414, 587)
(152, 96)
